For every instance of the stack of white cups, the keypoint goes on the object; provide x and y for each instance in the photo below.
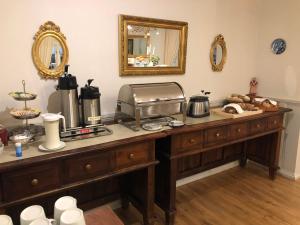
(5, 220)
(65, 213)
(34, 213)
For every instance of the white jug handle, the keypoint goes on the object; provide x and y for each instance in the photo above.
(64, 121)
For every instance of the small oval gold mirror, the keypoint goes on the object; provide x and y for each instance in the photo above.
(218, 53)
(49, 51)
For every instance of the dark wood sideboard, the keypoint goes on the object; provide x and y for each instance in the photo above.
(140, 169)
(93, 175)
(192, 149)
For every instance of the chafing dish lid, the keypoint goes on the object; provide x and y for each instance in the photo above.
(153, 92)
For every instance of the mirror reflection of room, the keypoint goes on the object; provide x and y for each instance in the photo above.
(152, 46)
(51, 53)
(217, 55)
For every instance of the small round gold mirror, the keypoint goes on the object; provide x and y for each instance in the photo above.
(49, 51)
(218, 53)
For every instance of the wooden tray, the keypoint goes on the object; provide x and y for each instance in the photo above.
(233, 116)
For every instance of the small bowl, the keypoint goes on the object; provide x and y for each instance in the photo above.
(21, 138)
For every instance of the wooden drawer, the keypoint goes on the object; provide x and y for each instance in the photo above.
(187, 141)
(88, 166)
(214, 136)
(30, 181)
(257, 126)
(237, 131)
(134, 154)
(275, 122)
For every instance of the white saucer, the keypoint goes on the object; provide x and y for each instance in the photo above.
(176, 123)
(152, 126)
(61, 146)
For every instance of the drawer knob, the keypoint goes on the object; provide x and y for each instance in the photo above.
(88, 167)
(217, 134)
(192, 141)
(131, 156)
(275, 121)
(239, 130)
(258, 125)
(34, 182)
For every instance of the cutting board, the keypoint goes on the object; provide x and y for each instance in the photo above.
(234, 116)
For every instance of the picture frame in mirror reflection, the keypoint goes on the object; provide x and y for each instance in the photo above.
(50, 52)
(150, 46)
(218, 53)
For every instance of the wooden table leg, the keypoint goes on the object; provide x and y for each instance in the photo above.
(274, 158)
(243, 159)
(149, 196)
(165, 191)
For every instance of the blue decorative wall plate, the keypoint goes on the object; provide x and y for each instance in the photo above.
(278, 46)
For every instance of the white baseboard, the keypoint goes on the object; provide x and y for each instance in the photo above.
(207, 173)
(289, 175)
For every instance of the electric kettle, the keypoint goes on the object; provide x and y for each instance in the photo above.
(198, 106)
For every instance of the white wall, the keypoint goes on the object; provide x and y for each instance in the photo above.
(91, 28)
(279, 75)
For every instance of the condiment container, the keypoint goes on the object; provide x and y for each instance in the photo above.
(18, 149)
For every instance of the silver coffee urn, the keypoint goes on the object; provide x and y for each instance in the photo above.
(67, 87)
(90, 103)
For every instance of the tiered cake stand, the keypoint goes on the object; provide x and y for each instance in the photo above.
(25, 133)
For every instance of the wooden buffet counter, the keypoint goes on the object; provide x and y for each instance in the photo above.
(198, 147)
(122, 165)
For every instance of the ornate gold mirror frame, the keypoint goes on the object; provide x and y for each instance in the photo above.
(125, 69)
(219, 40)
(49, 30)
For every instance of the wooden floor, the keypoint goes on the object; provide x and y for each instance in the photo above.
(234, 197)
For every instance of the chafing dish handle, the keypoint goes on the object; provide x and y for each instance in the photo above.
(184, 108)
(138, 117)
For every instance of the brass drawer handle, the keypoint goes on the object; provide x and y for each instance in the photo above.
(88, 167)
(192, 141)
(239, 130)
(131, 156)
(217, 134)
(34, 182)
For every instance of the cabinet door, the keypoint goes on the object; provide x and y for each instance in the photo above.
(215, 136)
(187, 141)
(212, 156)
(30, 181)
(134, 154)
(88, 166)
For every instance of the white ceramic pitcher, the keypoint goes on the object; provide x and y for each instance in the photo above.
(51, 123)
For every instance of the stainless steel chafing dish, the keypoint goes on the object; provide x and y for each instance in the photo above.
(141, 101)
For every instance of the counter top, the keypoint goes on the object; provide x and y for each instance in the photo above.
(121, 135)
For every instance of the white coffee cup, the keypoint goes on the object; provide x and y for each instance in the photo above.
(32, 213)
(72, 217)
(62, 204)
(42, 221)
(5, 220)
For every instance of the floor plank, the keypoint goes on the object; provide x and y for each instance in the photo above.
(234, 197)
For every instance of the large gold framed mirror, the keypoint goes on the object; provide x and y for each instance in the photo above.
(152, 46)
(218, 53)
(50, 52)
